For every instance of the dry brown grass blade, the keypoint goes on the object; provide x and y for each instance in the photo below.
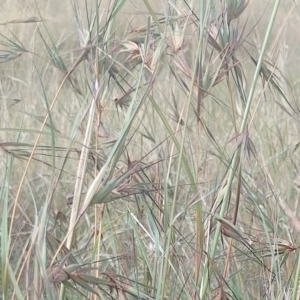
(29, 20)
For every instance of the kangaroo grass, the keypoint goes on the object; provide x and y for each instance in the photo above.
(150, 151)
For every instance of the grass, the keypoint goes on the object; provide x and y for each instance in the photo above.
(150, 151)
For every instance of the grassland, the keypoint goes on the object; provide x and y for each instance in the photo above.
(149, 150)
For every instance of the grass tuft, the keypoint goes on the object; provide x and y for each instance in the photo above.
(149, 150)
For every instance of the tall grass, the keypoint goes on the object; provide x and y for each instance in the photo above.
(149, 151)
